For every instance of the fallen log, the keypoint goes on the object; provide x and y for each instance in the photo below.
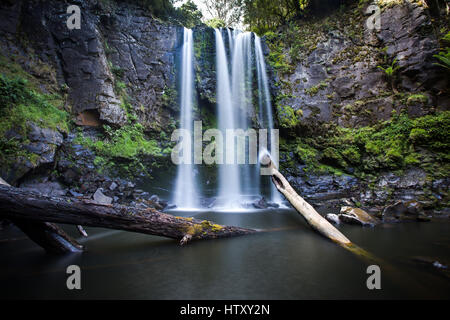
(312, 217)
(24, 205)
(48, 235)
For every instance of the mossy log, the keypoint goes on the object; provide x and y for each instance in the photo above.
(18, 204)
(312, 217)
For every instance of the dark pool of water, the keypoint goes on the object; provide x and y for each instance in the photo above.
(289, 262)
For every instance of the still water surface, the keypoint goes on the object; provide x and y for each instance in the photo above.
(289, 262)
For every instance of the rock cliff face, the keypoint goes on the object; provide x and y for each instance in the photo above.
(328, 74)
(119, 69)
(117, 44)
(337, 78)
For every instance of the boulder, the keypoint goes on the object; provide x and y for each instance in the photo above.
(404, 210)
(44, 187)
(113, 186)
(357, 216)
(100, 198)
(260, 204)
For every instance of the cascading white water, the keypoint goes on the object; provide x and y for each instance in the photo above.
(235, 89)
(241, 91)
(235, 106)
(265, 105)
(229, 182)
(186, 196)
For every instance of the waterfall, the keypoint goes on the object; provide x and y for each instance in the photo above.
(229, 182)
(235, 106)
(265, 105)
(242, 90)
(242, 83)
(186, 195)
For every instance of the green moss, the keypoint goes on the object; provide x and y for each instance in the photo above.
(126, 142)
(307, 154)
(315, 89)
(392, 145)
(417, 98)
(208, 225)
(288, 118)
(170, 97)
(20, 104)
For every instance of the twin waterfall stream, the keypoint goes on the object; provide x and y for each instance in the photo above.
(242, 90)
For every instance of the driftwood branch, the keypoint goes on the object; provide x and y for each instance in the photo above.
(312, 217)
(24, 205)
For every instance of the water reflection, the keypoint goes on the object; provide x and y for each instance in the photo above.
(289, 261)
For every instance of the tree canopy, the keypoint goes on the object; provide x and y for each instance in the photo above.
(266, 15)
(187, 14)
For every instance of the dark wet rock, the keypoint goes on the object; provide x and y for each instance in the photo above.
(154, 204)
(113, 186)
(272, 204)
(443, 213)
(433, 264)
(121, 41)
(163, 203)
(44, 135)
(41, 142)
(73, 193)
(323, 187)
(405, 210)
(170, 206)
(403, 36)
(357, 216)
(208, 202)
(100, 198)
(154, 198)
(44, 187)
(260, 204)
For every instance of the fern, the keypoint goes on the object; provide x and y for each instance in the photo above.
(389, 71)
(444, 56)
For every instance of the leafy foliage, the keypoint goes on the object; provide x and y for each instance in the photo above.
(19, 104)
(227, 11)
(215, 23)
(390, 70)
(268, 15)
(126, 142)
(444, 55)
(188, 14)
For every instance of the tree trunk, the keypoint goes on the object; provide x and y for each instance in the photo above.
(48, 235)
(24, 205)
(312, 217)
